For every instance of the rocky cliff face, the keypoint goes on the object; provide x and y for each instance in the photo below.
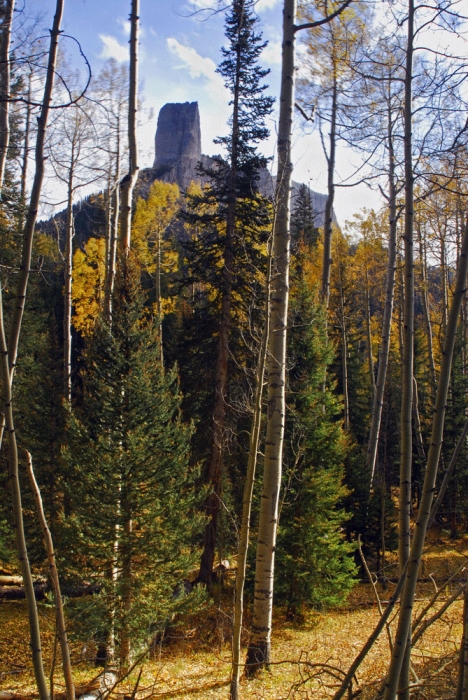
(177, 143)
(178, 151)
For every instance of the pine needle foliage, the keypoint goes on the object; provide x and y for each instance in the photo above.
(133, 520)
(315, 563)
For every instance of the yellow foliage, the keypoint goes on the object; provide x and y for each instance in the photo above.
(46, 247)
(88, 284)
(153, 217)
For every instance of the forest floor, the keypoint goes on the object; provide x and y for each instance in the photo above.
(194, 661)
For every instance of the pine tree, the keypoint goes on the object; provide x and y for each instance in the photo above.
(132, 521)
(232, 214)
(303, 225)
(315, 566)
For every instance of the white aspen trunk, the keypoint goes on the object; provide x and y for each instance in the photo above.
(129, 181)
(384, 351)
(406, 448)
(426, 311)
(158, 294)
(34, 630)
(113, 240)
(462, 686)
(55, 583)
(5, 79)
(9, 354)
(328, 223)
(247, 496)
(28, 232)
(344, 360)
(25, 159)
(68, 271)
(424, 513)
(260, 643)
(370, 358)
(5, 71)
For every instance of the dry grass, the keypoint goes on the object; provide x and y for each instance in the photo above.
(196, 662)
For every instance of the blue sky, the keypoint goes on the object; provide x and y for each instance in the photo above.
(179, 52)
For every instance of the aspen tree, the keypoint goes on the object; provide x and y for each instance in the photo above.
(247, 496)
(401, 645)
(130, 179)
(5, 69)
(260, 643)
(406, 446)
(9, 353)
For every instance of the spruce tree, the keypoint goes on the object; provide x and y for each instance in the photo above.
(132, 522)
(231, 214)
(315, 566)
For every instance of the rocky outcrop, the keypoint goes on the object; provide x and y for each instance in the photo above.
(178, 152)
(177, 143)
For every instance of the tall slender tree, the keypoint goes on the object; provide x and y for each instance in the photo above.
(260, 644)
(237, 209)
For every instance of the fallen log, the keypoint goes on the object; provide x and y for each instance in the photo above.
(99, 688)
(11, 592)
(96, 689)
(17, 592)
(10, 580)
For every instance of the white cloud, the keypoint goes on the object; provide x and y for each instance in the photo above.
(125, 24)
(206, 4)
(112, 49)
(198, 66)
(271, 54)
(263, 5)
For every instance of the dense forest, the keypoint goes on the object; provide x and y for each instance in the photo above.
(216, 393)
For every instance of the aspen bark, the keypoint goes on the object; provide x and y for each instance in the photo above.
(426, 311)
(406, 446)
(259, 649)
(384, 351)
(5, 71)
(408, 313)
(370, 358)
(424, 513)
(344, 356)
(31, 216)
(247, 497)
(13, 475)
(25, 158)
(68, 271)
(328, 223)
(462, 686)
(5, 79)
(113, 234)
(9, 354)
(129, 181)
(55, 583)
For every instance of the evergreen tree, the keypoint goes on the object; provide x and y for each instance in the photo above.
(303, 224)
(232, 215)
(132, 520)
(315, 566)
